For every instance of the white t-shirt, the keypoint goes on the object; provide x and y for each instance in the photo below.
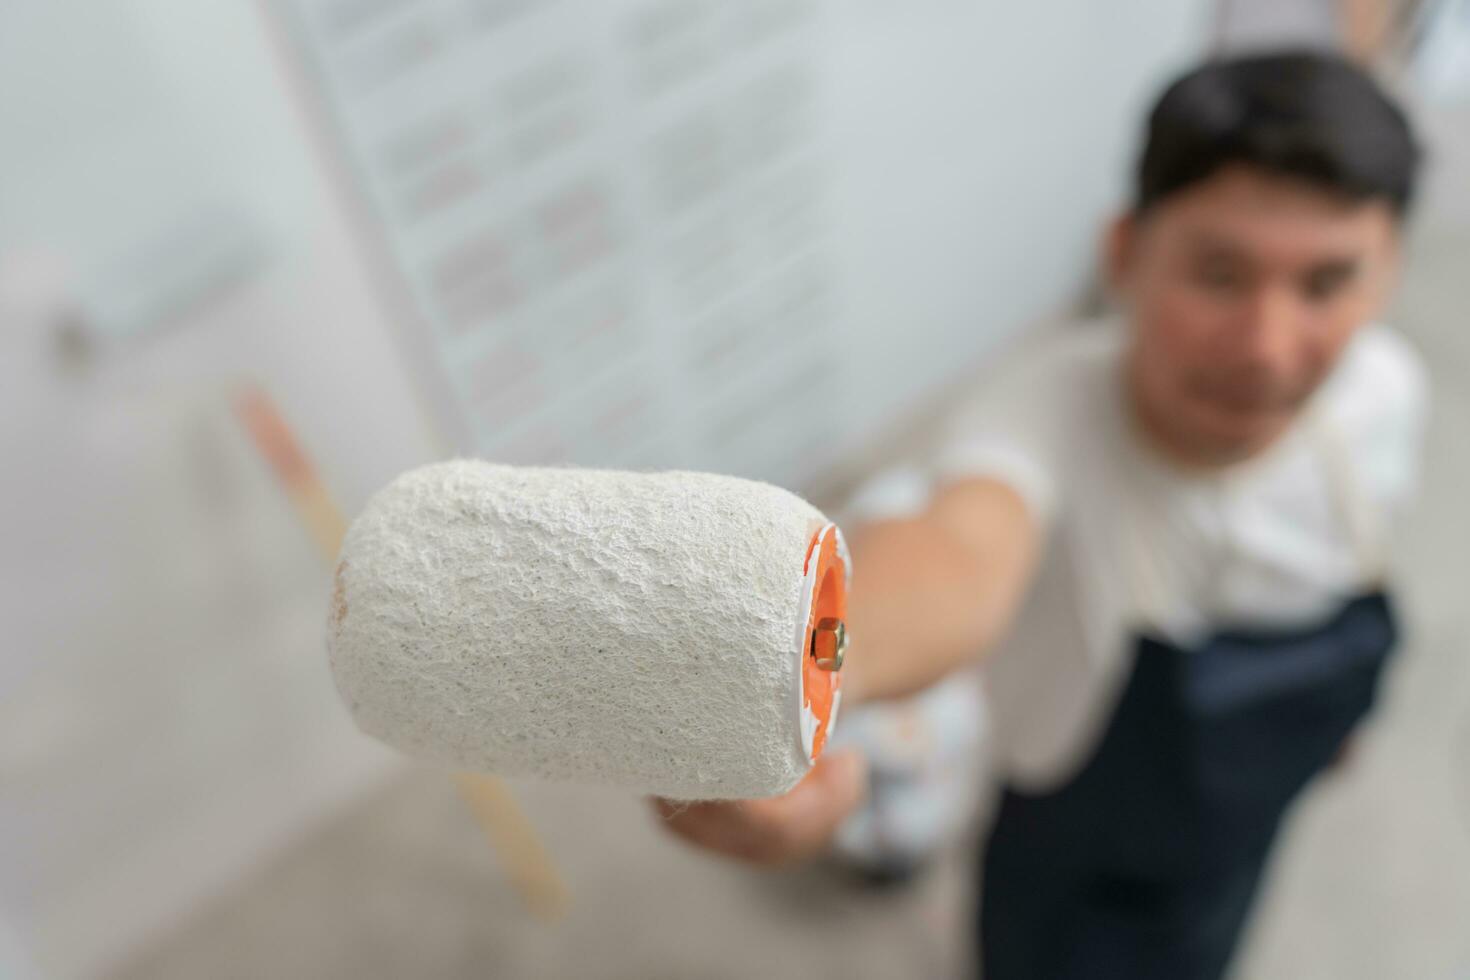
(1266, 542)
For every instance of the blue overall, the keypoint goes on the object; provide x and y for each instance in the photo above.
(1145, 864)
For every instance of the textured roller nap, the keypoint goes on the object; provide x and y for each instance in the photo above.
(632, 629)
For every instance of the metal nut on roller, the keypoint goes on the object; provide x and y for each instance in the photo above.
(829, 643)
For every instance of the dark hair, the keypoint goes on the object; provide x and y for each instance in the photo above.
(1303, 114)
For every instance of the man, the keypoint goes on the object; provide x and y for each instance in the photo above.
(1165, 533)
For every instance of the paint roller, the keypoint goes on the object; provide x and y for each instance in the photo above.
(676, 633)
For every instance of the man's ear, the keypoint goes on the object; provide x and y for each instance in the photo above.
(1393, 259)
(1118, 247)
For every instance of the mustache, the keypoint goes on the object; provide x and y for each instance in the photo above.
(1248, 391)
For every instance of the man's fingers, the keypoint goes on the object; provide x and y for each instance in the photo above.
(807, 816)
(778, 830)
(800, 823)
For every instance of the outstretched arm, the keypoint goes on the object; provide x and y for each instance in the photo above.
(930, 594)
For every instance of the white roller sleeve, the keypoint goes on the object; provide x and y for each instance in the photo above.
(636, 629)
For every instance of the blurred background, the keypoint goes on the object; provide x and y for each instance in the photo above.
(258, 256)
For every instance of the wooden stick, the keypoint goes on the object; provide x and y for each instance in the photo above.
(510, 832)
(490, 800)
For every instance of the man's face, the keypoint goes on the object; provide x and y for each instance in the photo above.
(1243, 290)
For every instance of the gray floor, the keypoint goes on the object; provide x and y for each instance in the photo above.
(1373, 880)
(404, 886)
